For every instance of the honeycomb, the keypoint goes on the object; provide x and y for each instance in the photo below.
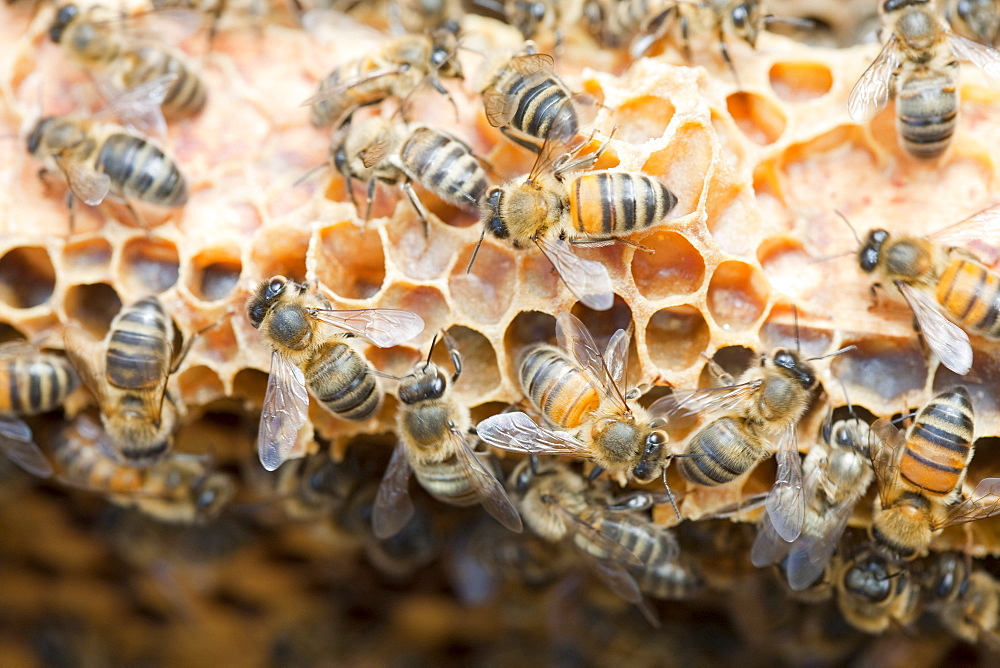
(760, 161)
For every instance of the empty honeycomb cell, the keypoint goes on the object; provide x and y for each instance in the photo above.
(199, 385)
(527, 328)
(603, 324)
(250, 385)
(642, 118)
(538, 279)
(214, 273)
(27, 277)
(682, 165)
(149, 264)
(801, 81)
(480, 375)
(889, 367)
(418, 255)
(787, 264)
(216, 342)
(982, 382)
(674, 267)
(737, 295)
(676, 337)
(92, 306)
(85, 255)
(779, 331)
(280, 250)
(350, 260)
(425, 301)
(397, 361)
(733, 360)
(9, 333)
(486, 292)
(760, 120)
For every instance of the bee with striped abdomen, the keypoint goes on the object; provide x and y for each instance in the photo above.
(432, 425)
(872, 594)
(965, 598)
(920, 475)
(308, 355)
(975, 19)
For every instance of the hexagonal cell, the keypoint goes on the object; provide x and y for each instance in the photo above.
(480, 374)
(397, 361)
(527, 327)
(149, 264)
(218, 342)
(761, 121)
(779, 331)
(732, 216)
(214, 273)
(250, 385)
(816, 173)
(27, 277)
(10, 333)
(86, 255)
(737, 295)
(642, 118)
(93, 306)
(787, 264)
(733, 360)
(538, 280)
(674, 267)
(486, 292)
(676, 337)
(890, 367)
(603, 324)
(683, 164)
(199, 385)
(350, 260)
(425, 301)
(418, 255)
(981, 383)
(280, 250)
(801, 81)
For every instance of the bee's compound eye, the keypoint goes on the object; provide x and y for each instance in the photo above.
(275, 287)
(438, 56)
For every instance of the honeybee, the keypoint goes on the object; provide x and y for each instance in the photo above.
(179, 488)
(975, 19)
(431, 425)
(836, 477)
(942, 283)
(313, 487)
(397, 70)
(553, 208)
(872, 595)
(90, 36)
(579, 388)
(127, 375)
(920, 474)
(307, 355)
(380, 150)
(31, 382)
(764, 407)
(99, 159)
(967, 601)
(919, 66)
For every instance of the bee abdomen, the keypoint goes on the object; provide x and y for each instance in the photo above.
(670, 580)
(448, 483)
(926, 112)
(557, 388)
(939, 445)
(542, 106)
(609, 204)
(971, 293)
(140, 170)
(445, 166)
(344, 382)
(332, 109)
(37, 386)
(186, 95)
(139, 351)
(720, 452)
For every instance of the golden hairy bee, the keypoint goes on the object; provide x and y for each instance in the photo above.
(310, 356)
(918, 65)
(431, 425)
(579, 391)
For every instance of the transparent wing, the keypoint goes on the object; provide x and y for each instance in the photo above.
(616, 357)
(83, 355)
(986, 58)
(945, 338)
(139, 107)
(19, 350)
(984, 502)
(768, 547)
(286, 407)
(382, 326)
(786, 503)
(491, 493)
(88, 184)
(617, 579)
(574, 338)
(888, 444)
(326, 92)
(17, 443)
(683, 407)
(872, 90)
(501, 107)
(981, 226)
(810, 554)
(600, 542)
(392, 508)
(519, 433)
(589, 281)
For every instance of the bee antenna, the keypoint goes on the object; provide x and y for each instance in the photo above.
(845, 349)
(795, 319)
(850, 407)
(848, 223)
(430, 350)
(670, 495)
(476, 251)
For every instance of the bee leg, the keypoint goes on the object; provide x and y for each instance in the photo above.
(597, 470)
(724, 49)
(418, 205)
(136, 216)
(686, 38)
(370, 194)
(444, 91)
(71, 207)
(456, 359)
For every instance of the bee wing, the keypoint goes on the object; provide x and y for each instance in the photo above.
(945, 338)
(981, 226)
(984, 502)
(768, 547)
(286, 406)
(786, 503)
(20, 350)
(139, 107)
(616, 357)
(392, 508)
(83, 355)
(17, 443)
(326, 92)
(617, 579)
(682, 407)
(871, 92)
(574, 338)
(382, 326)
(491, 493)
(589, 281)
(886, 447)
(88, 184)
(810, 554)
(603, 543)
(519, 433)
(986, 58)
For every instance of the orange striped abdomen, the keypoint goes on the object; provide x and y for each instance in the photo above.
(611, 204)
(939, 444)
(556, 387)
(971, 294)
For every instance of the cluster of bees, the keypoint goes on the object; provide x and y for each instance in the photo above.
(578, 401)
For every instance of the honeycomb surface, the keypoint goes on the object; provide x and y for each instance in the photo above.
(760, 165)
